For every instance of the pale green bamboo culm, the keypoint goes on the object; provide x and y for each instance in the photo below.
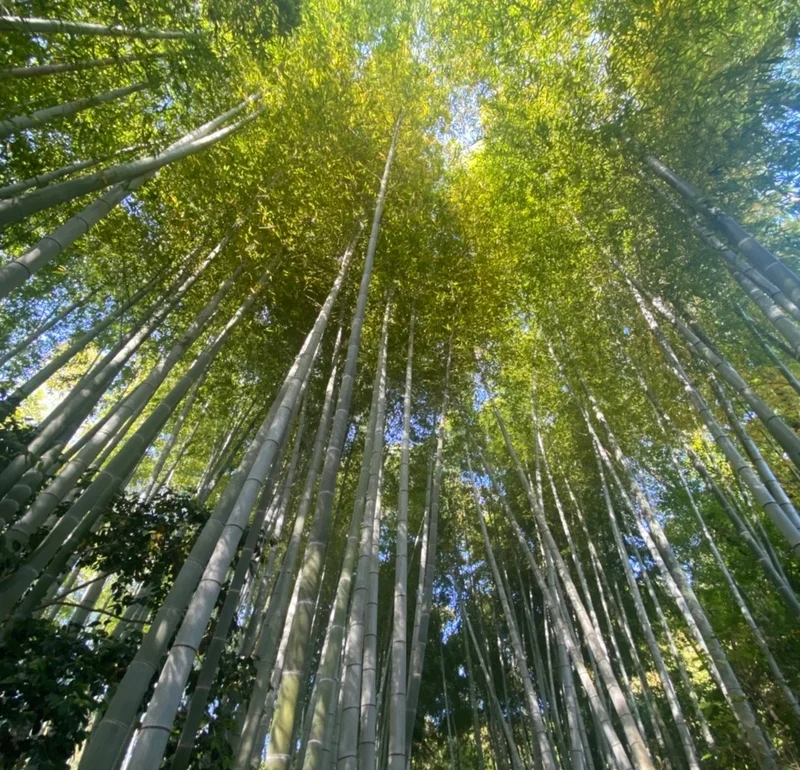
(35, 381)
(763, 259)
(397, 693)
(739, 465)
(16, 272)
(57, 68)
(156, 481)
(20, 207)
(60, 26)
(51, 322)
(62, 422)
(153, 734)
(47, 501)
(617, 754)
(738, 701)
(9, 126)
(423, 610)
(287, 701)
(644, 622)
(281, 592)
(58, 546)
(780, 431)
(356, 627)
(543, 750)
(327, 682)
(268, 521)
(494, 703)
(44, 179)
(638, 747)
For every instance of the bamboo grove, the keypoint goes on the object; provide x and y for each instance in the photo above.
(393, 385)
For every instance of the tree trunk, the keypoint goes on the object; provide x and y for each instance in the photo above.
(663, 735)
(331, 739)
(334, 630)
(113, 730)
(50, 498)
(383, 707)
(753, 283)
(739, 702)
(154, 485)
(617, 750)
(40, 118)
(551, 639)
(88, 601)
(16, 209)
(779, 430)
(16, 272)
(771, 354)
(738, 598)
(542, 681)
(584, 586)
(655, 651)
(327, 705)
(447, 711)
(420, 637)
(603, 587)
(56, 319)
(591, 634)
(62, 422)
(260, 525)
(44, 451)
(225, 443)
(42, 180)
(27, 485)
(225, 463)
(397, 696)
(56, 68)
(762, 259)
(473, 702)
(787, 594)
(166, 482)
(276, 614)
(739, 465)
(543, 751)
(576, 750)
(761, 291)
(356, 626)
(766, 474)
(54, 26)
(287, 703)
(367, 736)
(516, 761)
(70, 529)
(422, 540)
(153, 735)
(770, 309)
(34, 382)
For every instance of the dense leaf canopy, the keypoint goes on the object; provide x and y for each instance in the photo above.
(588, 213)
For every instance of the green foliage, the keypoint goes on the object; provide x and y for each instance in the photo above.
(51, 680)
(163, 531)
(14, 435)
(513, 190)
(233, 684)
